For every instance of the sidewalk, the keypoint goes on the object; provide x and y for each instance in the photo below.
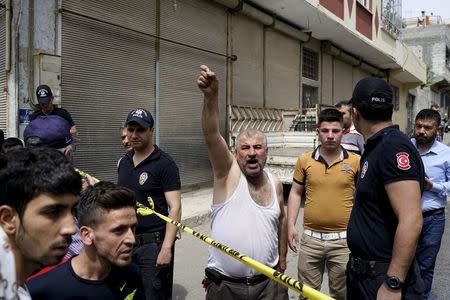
(196, 206)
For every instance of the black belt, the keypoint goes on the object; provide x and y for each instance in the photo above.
(433, 212)
(246, 280)
(368, 267)
(150, 237)
(216, 277)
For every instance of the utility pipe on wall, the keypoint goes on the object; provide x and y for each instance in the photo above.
(8, 36)
(264, 18)
(329, 48)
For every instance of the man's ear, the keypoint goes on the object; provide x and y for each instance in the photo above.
(355, 113)
(68, 153)
(87, 235)
(9, 219)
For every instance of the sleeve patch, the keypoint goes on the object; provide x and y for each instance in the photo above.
(403, 161)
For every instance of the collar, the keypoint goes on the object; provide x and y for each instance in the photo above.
(377, 137)
(316, 154)
(153, 156)
(435, 148)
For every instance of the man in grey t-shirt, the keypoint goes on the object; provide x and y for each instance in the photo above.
(352, 140)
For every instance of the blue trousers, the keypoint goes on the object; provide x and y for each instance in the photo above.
(157, 282)
(428, 248)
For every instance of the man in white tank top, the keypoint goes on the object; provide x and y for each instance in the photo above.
(247, 213)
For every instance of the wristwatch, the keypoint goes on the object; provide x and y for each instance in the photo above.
(394, 282)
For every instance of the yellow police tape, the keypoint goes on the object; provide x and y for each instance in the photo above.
(263, 269)
(83, 174)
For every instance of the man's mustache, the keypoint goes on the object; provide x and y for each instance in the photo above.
(64, 243)
(252, 160)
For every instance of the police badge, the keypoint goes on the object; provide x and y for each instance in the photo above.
(143, 178)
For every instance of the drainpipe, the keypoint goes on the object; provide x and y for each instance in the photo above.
(8, 36)
(265, 18)
(328, 48)
(157, 78)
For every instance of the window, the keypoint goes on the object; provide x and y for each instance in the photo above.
(391, 16)
(310, 64)
(364, 3)
(396, 99)
(310, 96)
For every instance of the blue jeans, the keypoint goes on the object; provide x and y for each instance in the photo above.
(157, 282)
(428, 248)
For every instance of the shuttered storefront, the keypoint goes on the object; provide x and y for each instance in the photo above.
(248, 75)
(106, 72)
(282, 71)
(202, 24)
(3, 105)
(342, 81)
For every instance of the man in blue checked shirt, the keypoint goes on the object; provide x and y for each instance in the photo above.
(436, 160)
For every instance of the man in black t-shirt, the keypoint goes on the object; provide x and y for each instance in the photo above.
(103, 270)
(45, 97)
(151, 172)
(386, 219)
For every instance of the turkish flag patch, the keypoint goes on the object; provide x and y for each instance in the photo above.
(403, 161)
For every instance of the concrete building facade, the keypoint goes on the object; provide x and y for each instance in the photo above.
(431, 43)
(103, 58)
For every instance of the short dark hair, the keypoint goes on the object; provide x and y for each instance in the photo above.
(28, 173)
(330, 115)
(103, 197)
(429, 114)
(375, 111)
(10, 143)
(343, 103)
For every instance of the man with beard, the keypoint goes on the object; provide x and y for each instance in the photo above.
(103, 270)
(247, 200)
(327, 176)
(38, 192)
(436, 160)
(386, 218)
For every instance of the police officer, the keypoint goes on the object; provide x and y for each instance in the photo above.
(386, 219)
(149, 171)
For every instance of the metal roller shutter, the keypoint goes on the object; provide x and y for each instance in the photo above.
(282, 71)
(202, 24)
(3, 104)
(248, 45)
(106, 72)
(342, 81)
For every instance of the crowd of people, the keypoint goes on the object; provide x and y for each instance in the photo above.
(374, 208)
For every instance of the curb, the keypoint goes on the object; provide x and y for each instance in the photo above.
(199, 219)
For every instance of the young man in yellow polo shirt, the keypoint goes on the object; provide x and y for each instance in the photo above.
(327, 176)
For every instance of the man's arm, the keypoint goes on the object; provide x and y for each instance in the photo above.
(292, 213)
(442, 189)
(220, 157)
(404, 197)
(282, 228)
(173, 199)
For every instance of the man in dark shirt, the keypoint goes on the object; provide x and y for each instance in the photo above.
(386, 219)
(150, 172)
(45, 97)
(107, 215)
